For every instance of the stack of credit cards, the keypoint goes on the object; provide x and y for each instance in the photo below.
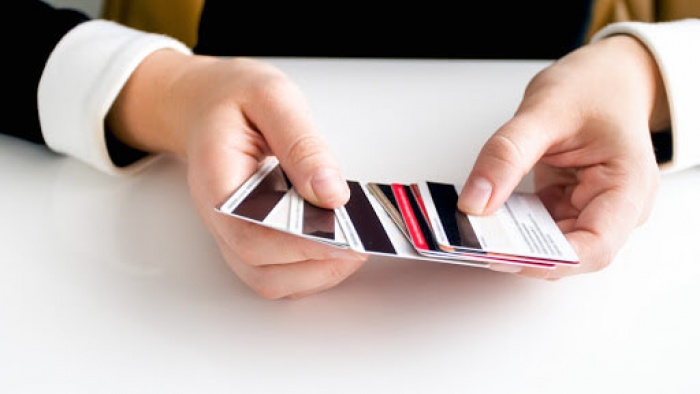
(415, 221)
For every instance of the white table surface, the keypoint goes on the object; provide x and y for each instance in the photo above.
(112, 285)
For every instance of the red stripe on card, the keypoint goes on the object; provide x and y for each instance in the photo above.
(419, 199)
(408, 216)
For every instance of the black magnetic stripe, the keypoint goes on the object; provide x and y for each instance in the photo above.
(456, 225)
(389, 194)
(366, 222)
(318, 222)
(263, 199)
(467, 236)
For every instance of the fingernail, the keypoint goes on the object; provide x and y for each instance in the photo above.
(477, 193)
(329, 186)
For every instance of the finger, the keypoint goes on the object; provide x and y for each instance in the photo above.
(596, 236)
(296, 267)
(504, 160)
(297, 279)
(223, 158)
(554, 187)
(557, 200)
(259, 246)
(280, 112)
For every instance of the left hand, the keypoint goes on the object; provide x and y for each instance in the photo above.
(223, 116)
(584, 125)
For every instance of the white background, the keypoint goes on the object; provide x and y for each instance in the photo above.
(113, 285)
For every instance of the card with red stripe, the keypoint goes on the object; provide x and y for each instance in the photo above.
(521, 231)
(417, 221)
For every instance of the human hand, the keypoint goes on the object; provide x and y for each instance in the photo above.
(584, 124)
(224, 116)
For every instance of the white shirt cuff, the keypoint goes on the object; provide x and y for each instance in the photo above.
(82, 78)
(679, 63)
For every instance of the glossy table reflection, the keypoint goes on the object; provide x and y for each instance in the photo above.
(113, 285)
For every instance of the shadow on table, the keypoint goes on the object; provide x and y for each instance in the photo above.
(149, 256)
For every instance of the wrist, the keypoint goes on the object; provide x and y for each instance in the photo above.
(641, 59)
(145, 114)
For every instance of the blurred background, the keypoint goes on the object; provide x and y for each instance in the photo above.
(91, 7)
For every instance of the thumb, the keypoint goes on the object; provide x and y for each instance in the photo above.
(284, 120)
(506, 157)
(314, 172)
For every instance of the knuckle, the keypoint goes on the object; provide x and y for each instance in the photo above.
(502, 148)
(247, 256)
(603, 263)
(261, 281)
(238, 242)
(338, 271)
(268, 292)
(275, 91)
(250, 256)
(604, 258)
(307, 148)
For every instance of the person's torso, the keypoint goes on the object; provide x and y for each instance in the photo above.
(432, 30)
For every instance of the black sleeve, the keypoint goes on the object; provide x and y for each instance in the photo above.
(663, 145)
(31, 30)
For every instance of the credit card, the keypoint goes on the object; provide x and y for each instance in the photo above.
(417, 221)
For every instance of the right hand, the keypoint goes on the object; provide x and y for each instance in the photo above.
(584, 124)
